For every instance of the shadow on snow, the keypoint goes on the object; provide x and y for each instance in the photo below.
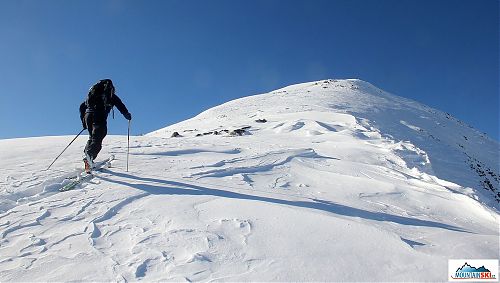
(179, 188)
(188, 151)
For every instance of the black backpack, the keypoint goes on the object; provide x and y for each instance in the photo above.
(100, 95)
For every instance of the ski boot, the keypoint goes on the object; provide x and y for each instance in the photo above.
(88, 163)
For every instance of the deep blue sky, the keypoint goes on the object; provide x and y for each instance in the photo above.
(173, 59)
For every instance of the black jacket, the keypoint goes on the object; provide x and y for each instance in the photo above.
(101, 113)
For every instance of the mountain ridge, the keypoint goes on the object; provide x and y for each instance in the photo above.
(393, 117)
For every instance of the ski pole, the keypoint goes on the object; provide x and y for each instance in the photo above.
(65, 148)
(128, 142)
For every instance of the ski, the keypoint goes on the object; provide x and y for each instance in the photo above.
(71, 185)
(85, 177)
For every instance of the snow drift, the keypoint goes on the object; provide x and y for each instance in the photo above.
(423, 140)
(333, 180)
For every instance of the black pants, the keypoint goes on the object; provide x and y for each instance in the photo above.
(97, 127)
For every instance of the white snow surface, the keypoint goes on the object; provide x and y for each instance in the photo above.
(342, 182)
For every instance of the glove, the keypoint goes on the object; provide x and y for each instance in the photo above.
(127, 116)
(84, 124)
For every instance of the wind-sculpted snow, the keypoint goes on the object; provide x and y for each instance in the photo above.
(329, 181)
(452, 150)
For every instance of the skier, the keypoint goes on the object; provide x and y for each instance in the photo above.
(94, 113)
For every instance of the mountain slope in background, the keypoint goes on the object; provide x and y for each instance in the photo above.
(427, 140)
(332, 180)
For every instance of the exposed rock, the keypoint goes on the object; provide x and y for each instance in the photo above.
(237, 132)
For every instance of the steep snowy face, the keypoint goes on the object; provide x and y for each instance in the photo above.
(333, 115)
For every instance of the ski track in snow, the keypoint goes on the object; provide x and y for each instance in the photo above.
(297, 198)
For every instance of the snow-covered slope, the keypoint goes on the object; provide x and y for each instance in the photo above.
(330, 181)
(423, 139)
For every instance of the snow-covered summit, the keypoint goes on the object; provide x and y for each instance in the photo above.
(427, 140)
(333, 180)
